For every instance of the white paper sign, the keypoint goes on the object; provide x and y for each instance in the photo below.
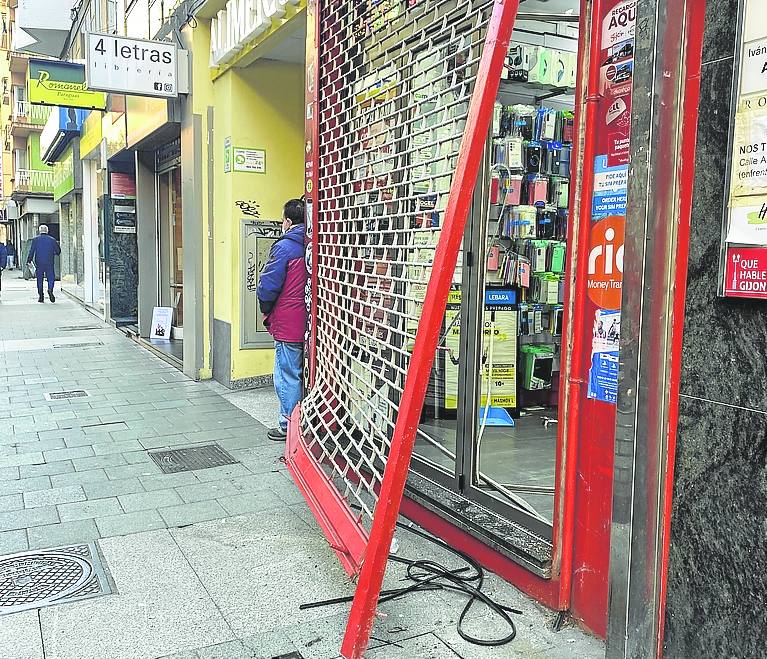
(748, 221)
(162, 321)
(754, 67)
(131, 66)
(749, 155)
(249, 160)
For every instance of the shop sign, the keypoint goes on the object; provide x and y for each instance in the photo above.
(746, 272)
(249, 160)
(61, 83)
(64, 175)
(241, 22)
(125, 65)
(92, 133)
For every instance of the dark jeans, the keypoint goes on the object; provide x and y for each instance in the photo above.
(47, 271)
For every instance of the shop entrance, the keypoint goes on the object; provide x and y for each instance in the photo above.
(491, 419)
(170, 245)
(170, 254)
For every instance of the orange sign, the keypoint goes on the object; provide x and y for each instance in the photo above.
(605, 266)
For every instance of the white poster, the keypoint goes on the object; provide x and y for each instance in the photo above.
(749, 171)
(162, 321)
(748, 221)
(754, 67)
(249, 160)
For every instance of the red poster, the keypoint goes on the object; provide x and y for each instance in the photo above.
(122, 186)
(746, 272)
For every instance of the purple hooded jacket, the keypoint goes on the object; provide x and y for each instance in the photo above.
(281, 288)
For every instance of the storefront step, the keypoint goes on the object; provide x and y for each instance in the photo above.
(510, 539)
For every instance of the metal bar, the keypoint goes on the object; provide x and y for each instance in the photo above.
(584, 152)
(462, 188)
(695, 27)
(657, 227)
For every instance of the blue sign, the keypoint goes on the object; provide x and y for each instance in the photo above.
(610, 190)
(500, 297)
(603, 374)
(62, 127)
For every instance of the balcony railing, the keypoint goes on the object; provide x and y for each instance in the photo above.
(34, 180)
(26, 113)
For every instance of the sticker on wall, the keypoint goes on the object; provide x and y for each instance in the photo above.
(603, 374)
(249, 160)
(746, 272)
(605, 263)
(610, 185)
(227, 155)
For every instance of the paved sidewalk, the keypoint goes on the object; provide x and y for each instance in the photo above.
(209, 563)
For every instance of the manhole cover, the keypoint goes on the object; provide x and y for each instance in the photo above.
(78, 328)
(64, 395)
(292, 655)
(85, 344)
(192, 458)
(34, 579)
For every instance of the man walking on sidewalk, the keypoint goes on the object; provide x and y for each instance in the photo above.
(281, 299)
(43, 250)
(11, 258)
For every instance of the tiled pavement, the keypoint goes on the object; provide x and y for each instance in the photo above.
(211, 563)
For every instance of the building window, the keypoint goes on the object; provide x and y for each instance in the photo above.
(112, 16)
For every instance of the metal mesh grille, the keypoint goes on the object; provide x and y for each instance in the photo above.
(396, 80)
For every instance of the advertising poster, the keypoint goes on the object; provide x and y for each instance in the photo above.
(748, 221)
(746, 272)
(749, 165)
(609, 199)
(603, 375)
(162, 322)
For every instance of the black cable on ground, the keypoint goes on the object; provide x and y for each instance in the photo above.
(429, 575)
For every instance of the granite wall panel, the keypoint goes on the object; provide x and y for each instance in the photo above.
(718, 559)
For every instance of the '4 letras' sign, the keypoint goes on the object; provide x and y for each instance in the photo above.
(131, 66)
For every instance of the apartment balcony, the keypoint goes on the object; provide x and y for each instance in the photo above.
(18, 61)
(33, 181)
(28, 118)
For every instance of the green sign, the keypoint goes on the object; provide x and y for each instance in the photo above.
(64, 174)
(62, 83)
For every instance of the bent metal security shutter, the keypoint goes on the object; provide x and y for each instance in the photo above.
(400, 97)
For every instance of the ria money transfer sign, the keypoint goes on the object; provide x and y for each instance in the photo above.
(131, 66)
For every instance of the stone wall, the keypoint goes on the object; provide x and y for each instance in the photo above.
(718, 561)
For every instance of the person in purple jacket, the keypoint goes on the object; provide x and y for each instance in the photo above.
(280, 293)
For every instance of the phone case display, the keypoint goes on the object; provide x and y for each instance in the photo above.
(540, 65)
(529, 196)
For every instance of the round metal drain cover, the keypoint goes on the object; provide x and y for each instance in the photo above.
(42, 578)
